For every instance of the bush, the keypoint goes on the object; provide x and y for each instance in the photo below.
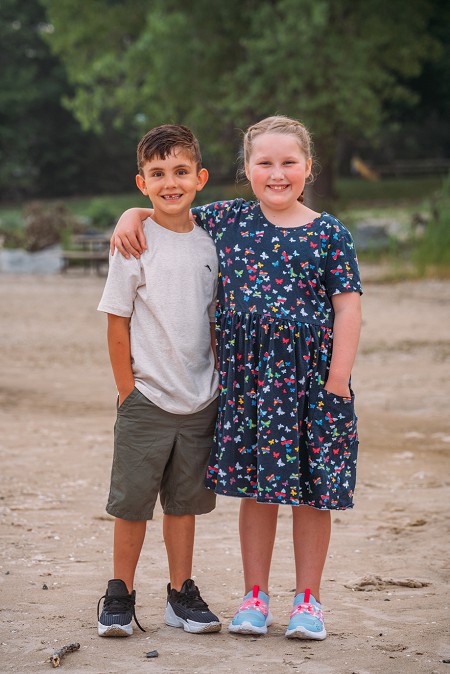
(47, 225)
(433, 249)
(102, 213)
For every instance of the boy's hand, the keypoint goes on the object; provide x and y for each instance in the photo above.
(123, 395)
(128, 236)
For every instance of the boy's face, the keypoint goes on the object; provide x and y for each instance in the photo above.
(172, 183)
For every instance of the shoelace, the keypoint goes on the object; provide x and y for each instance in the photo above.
(119, 605)
(254, 603)
(307, 607)
(191, 599)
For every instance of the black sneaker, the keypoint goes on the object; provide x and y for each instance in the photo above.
(187, 609)
(118, 611)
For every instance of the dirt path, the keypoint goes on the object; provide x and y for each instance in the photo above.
(385, 587)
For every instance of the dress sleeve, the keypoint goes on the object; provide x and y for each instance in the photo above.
(215, 215)
(342, 269)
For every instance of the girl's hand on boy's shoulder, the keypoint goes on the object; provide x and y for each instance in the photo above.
(128, 236)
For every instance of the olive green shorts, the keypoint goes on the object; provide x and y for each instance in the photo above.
(156, 452)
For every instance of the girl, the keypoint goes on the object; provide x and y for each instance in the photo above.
(288, 323)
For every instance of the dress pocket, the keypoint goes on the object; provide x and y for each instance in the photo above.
(333, 445)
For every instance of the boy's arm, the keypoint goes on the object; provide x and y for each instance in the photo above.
(346, 329)
(128, 236)
(212, 327)
(120, 354)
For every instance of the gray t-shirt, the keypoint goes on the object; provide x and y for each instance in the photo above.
(170, 295)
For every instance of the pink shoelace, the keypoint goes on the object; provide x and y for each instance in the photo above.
(306, 607)
(253, 603)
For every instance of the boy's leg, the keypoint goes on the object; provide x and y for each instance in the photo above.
(185, 607)
(179, 531)
(143, 440)
(128, 540)
(183, 495)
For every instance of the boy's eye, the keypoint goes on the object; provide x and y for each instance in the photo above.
(182, 172)
(157, 174)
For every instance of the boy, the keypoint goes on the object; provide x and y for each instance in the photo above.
(162, 349)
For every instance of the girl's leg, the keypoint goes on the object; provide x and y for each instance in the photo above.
(128, 539)
(178, 531)
(311, 533)
(257, 528)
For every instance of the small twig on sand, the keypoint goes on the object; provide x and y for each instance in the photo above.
(55, 659)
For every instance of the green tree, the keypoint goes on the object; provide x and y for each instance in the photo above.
(44, 152)
(218, 66)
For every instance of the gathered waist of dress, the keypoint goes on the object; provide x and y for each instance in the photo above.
(266, 318)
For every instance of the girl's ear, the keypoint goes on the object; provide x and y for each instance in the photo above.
(308, 167)
(247, 172)
(202, 179)
(140, 182)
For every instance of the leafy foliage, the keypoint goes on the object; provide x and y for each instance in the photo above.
(216, 66)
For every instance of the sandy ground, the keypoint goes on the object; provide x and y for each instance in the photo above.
(385, 586)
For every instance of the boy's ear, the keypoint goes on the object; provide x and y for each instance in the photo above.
(140, 182)
(202, 179)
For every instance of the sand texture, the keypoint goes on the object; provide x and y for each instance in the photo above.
(385, 586)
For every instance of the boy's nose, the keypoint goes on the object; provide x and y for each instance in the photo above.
(170, 181)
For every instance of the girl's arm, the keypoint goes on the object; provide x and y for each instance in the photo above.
(128, 236)
(120, 354)
(346, 329)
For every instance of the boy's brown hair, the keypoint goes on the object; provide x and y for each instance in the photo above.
(162, 140)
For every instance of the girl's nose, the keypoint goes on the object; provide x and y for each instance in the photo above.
(276, 173)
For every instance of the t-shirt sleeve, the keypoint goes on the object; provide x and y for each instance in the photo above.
(342, 269)
(214, 215)
(124, 277)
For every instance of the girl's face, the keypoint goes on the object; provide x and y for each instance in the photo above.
(277, 170)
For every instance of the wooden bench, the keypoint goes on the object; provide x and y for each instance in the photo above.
(92, 254)
(88, 260)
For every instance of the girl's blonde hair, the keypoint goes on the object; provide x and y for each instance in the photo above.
(284, 125)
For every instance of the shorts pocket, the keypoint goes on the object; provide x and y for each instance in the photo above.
(131, 397)
(333, 446)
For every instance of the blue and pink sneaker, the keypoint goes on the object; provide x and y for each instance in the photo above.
(253, 615)
(306, 618)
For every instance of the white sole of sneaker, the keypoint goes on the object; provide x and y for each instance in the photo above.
(303, 633)
(172, 620)
(114, 630)
(248, 628)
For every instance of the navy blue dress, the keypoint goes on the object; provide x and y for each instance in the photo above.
(280, 437)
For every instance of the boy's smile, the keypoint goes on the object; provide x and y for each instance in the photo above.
(171, 185)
